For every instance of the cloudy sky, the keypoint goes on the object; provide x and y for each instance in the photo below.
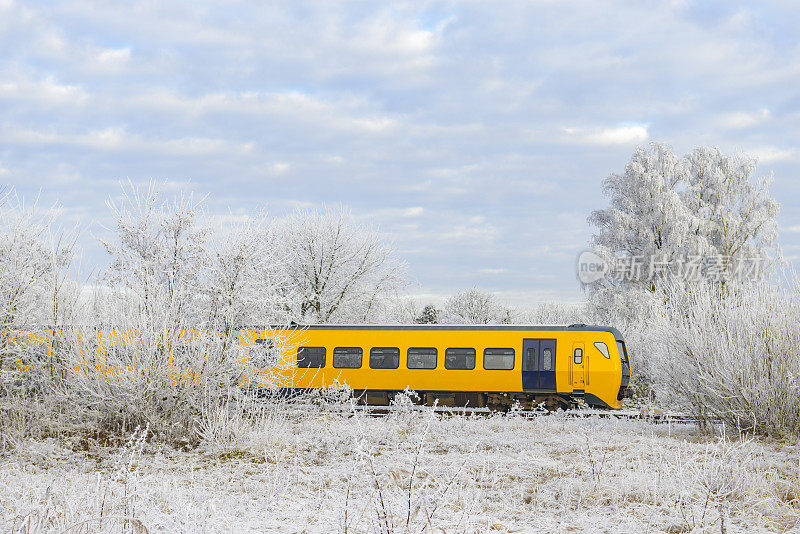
(476, 134)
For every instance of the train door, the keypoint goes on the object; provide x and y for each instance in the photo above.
(530, 364)
(539, 364)
(547, 364)
(578, 366)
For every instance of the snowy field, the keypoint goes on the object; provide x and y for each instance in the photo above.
(412, 471)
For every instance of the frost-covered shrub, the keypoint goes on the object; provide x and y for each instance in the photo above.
(155, 345)
(732, 354)
(556, 313)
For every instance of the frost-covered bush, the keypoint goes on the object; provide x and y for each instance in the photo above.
(732, 354)
(155, 345)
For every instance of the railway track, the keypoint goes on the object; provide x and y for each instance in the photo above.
(657, 417)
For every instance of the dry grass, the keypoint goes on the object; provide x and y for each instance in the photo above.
(410, 472)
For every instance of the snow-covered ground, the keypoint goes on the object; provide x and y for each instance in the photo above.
(411, 471)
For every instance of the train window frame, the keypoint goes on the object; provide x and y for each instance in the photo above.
(604, 350)
(350, 354)
(577, 356)
(513, 359)
(547, 363)
(449, 367)
(301, 359)
(396, 361)
(434, 353)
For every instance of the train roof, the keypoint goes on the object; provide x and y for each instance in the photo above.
(484, 327)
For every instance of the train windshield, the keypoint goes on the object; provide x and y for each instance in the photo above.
(623, 353)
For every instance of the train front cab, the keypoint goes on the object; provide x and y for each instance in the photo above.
(598, 367)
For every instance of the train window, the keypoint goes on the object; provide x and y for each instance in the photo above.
(547, 359)
(347, 357)
(459, 359)
(603, 348)
(422, 358)
(578, 356)
(384, 358)
(311, 357)
(530, 360)
(263, 354)
(499, 359)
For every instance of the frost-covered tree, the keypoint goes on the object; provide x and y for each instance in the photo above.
(24, 267)
(397, 309)
(556, 313)
(646, 219)
(475, 306)
(34, 257)
(735, 216)
(429, 315)
(24, 263)
(246, 284)
(667, 212)
(167, 302)
(337, 269)
(159, 254)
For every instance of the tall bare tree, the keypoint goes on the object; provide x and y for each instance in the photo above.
(337, 269)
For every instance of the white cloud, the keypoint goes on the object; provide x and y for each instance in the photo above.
(416, 211)
(280, 168)
(465, 233)
(117, 139)
(771, 154)
(388, 34)
(385, 37)
(393, 214)
(745, 120)
(345, 113)
(493, 271)
(113, 58)
(378, 124)
(621, 135)
(47, 92)
(792, 229)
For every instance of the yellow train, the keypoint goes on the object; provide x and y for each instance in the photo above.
(474, 366)
(477, 366)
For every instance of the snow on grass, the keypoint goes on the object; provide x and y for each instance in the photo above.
(411, 471)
